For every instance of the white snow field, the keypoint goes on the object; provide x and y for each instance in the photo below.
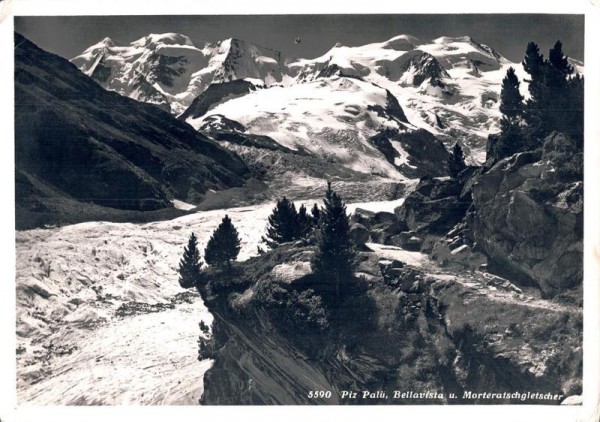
(74, 345)
(331, 117)
(101, 318)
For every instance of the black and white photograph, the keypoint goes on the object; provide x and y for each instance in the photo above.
(380, 209)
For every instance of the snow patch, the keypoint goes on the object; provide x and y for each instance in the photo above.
(415, 259)
(180, 205)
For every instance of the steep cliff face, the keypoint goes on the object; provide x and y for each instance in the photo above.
(404, 328)
(79, 145)
(529, 215)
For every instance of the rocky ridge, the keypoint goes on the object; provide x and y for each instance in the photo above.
(420, 328)
(83, 150)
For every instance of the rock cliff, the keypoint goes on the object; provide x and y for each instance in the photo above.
(529, 215)
(406, 327)
(524, 212)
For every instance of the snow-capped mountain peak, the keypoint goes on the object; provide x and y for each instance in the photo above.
(449, 86)
(154, 40)
(401, 42)
(107, 42)
(170, 70)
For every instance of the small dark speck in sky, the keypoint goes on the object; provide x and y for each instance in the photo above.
(310, 36)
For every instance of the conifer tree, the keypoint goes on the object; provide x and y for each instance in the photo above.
(305, 223)
(560, 109)
(224, 244)
(551, 104)
(560, 63)
(316, 214)
(536, 66)
(332, 262)
(511, 100)
(283, 224)
(574, 121)
(512, 138)
(189, 266)
(456, 161)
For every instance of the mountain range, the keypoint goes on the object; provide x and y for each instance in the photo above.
(165, 119)
(448, 86)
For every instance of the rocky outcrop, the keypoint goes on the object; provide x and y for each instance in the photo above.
(406, 328)
(528, 215)
(415, 67)
(378, 227)
(215, 94)
(435, 206)
(416, 153)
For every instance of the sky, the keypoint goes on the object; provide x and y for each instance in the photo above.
(508, 34)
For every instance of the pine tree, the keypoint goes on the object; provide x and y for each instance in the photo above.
(574, 123)
(560, 63)
(559, 108)
(332, 262)
(316, 214)
(511, 100)
(536, 66)
(533, 61)
(512, 138)
(305, 222)
(189, 266)
(283, 224)
(550, 106)
(456, 161)
(224, 244)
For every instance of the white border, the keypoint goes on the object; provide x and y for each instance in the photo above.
(9, 411)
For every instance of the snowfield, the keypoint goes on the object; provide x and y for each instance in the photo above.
(101, 318)
(328, 117)
(472, 74)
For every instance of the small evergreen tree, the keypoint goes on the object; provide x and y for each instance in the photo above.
(560, 64)
(536, 66)
(560, 108)
(456, 161)
(224, 244)
(574, 122)
(189, 266)
(511, 100)
(512, 138)
(283, 224)
(316, 214)
(334, 254)
(305, 222)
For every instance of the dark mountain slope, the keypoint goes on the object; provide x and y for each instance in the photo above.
(90, 146)
(215, 94)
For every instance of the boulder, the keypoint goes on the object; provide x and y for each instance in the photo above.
(388, 268)
(529, 216)
(363, 217)
(359, 234)
(434, 206)
(434, 216)
(384, 233)
(461, 257)
(407, 240)
(288, 272)
(383, 217)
